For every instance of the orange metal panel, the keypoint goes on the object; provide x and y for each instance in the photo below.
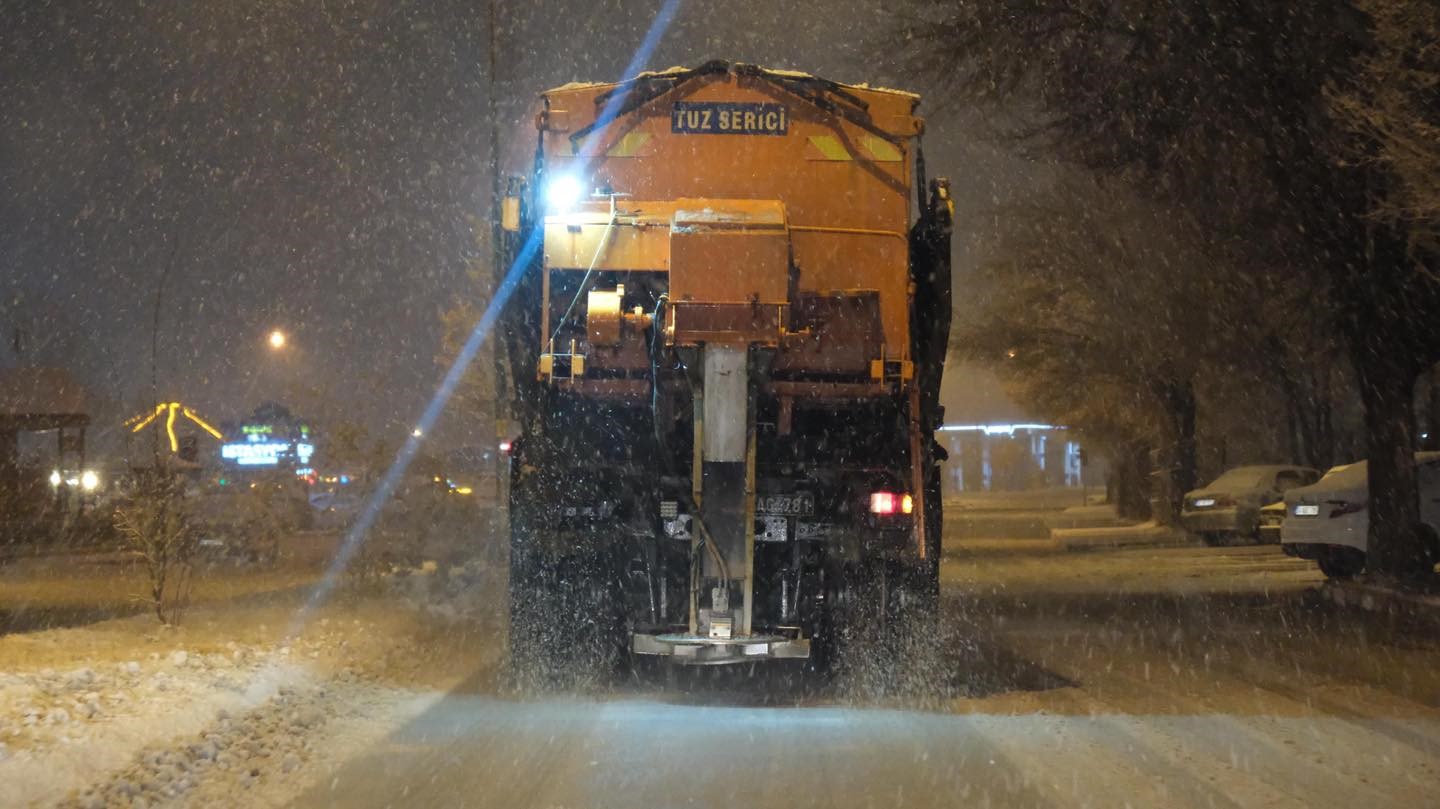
(729, 251)
(848, 216)
(574, 242)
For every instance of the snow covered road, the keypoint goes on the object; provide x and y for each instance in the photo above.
(1207, 677)
(1147, 677)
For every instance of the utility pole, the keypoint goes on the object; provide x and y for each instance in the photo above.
(497, 264)
(155, 349)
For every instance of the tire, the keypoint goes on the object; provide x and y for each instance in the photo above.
(1432, 543)
(527, 615)
(1340, 562)
(567, 623)
(1213, 539)
(879, 611)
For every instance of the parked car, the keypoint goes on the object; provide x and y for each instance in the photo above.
(1271, 518)
(1329, 522)
(248, 519)
(1230, 506)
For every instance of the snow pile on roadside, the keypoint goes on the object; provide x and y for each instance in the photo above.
(299, 719)
(125, 713)
(457, 593)
(47, 707)
(61, 728)
(236, 750)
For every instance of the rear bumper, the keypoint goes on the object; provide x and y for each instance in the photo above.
(1219, 519)
(1348, 531)
(1305, 550)
(695, 650)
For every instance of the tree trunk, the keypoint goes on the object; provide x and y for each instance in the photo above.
(1396, 547)
(1132, 481)
(1308, 403)
(1280, 366)
(1431, 440)
(1322, 449)
(1180, 410)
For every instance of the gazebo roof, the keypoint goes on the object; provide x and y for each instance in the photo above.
(41, 399)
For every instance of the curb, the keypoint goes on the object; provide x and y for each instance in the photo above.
(1145, 535)
(1380, 598)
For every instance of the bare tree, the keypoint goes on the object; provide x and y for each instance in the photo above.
(1394, 106)
(1222, 109)
(156, 523)
(1105, 312)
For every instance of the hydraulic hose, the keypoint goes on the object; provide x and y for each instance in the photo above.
(657, 321)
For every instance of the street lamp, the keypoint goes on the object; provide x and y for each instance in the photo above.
(277, 339)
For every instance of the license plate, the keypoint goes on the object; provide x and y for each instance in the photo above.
(800, 504)
(1205, 502)
(1307, 511)
(813, 530)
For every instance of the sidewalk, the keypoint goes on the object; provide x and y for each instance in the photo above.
(1146, 534)
(1022, 515)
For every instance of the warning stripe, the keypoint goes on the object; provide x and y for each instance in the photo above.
(630, 145)
(883, 150)
(829, 147)
(880, 150)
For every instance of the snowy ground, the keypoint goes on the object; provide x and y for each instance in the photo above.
(241, 699)
(1141, 677)
(1184, 677)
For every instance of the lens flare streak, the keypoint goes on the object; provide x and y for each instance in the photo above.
(355, 536)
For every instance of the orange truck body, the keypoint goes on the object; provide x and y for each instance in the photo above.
(727, 348)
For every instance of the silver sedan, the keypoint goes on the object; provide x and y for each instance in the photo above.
(1230, 506)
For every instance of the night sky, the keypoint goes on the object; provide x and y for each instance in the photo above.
(317, 166)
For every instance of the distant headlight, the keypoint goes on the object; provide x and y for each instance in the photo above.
(563, 193)
(89, 480)
(55, 478)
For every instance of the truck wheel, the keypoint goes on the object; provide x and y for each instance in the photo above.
(567, 625)
(527, 596)
(820, 623)
(881, 608)
(857, 615)
(592, 616)
(1432, 543)
(1338, 562)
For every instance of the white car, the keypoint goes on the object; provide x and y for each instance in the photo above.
(1330, 521)
(1231, 505)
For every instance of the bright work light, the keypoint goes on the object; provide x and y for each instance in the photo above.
(563, 193)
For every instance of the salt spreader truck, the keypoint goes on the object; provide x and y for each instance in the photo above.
(726, 348)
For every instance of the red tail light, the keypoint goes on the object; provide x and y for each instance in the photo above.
(505, 447)
(891, 503)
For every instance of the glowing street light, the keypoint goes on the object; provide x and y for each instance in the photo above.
(277, 339)
(417, 432)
